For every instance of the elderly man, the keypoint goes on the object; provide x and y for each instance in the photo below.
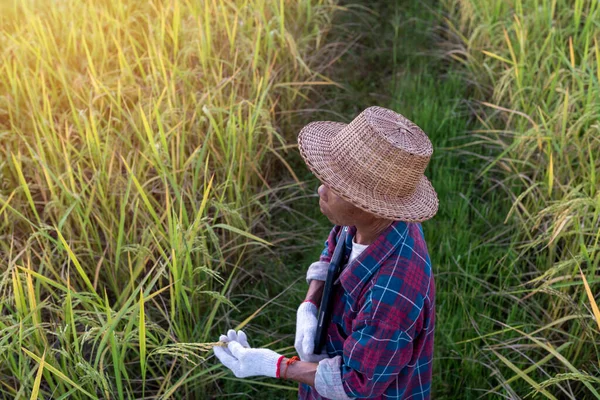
(379, 342)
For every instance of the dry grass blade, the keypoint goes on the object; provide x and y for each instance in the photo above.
(56, 372)
(38, 379)
(590, 295)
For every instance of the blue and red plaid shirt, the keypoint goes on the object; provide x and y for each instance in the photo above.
(383, 316)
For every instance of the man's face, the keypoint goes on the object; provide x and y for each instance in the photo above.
(336, 209)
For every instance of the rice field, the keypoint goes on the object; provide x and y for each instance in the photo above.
(144, 144)
(138, 140)
(534, 68)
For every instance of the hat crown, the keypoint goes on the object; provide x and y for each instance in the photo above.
(398, 130)
(383, 151)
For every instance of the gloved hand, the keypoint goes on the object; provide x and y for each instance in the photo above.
(306, 330)
(243, 360)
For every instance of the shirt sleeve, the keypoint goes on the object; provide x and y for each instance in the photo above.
(328, 379)
(374, 354)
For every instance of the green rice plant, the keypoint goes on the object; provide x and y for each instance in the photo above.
(535, 65)
(137, 140)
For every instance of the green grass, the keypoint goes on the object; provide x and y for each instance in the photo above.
(137, 141)
(535, 67)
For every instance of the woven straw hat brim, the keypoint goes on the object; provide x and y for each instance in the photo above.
(314, 142)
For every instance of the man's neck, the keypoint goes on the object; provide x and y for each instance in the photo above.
(367, 233)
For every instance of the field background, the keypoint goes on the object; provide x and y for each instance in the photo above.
(138, 141)
(151, 196)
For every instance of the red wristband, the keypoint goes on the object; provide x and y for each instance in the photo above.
(312, 302)
(278, 370)
(288, 363)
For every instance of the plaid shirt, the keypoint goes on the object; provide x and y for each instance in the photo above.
(384, 316)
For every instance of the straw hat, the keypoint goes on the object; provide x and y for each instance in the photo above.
(375, 162)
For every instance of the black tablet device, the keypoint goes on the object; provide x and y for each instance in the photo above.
(325, 309)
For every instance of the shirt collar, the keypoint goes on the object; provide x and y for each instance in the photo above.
(359, 271)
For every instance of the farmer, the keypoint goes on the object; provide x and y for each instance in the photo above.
(380, 340)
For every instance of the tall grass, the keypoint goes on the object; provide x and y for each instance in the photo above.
(535, 67)
(136, 144)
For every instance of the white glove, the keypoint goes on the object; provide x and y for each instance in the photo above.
(243, 360)
(306, 330)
